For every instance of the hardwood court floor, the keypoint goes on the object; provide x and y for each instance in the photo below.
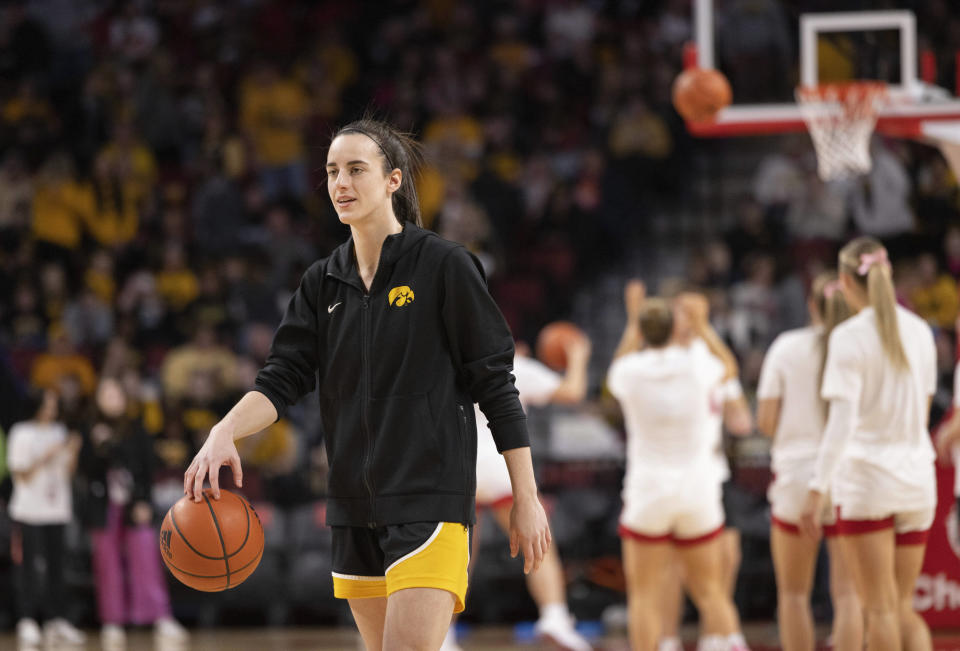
(761, 637)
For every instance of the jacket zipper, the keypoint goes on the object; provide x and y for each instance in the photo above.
(366, 470)
(463, 458)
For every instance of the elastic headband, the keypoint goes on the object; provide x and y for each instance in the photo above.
(830, 289)
(375, 141)
(867, 260)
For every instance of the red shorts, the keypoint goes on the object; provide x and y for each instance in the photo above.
(855, 527)
(669, 537)
(829, 530)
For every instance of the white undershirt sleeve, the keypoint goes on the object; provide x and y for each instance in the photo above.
(841, 422)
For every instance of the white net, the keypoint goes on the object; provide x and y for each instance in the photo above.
(841, 118)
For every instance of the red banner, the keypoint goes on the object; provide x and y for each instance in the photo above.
(937, 596)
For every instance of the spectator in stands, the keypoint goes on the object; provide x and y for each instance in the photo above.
(112, 213)
(88, 320)
(129, 162)
(42, 457)
(58, 206)
(881, 205)
(754, 304)
(217, 211)
(202, 354)
(117, 465)
(29, 121)
(133, 33)
(754, 233)
(26, 323)
(176, 281)
(935, 297)
(272, 113)
(60, 361)
(289, 252)
(16, 195)
(99, 276)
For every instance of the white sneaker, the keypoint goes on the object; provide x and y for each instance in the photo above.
(561, 632)
(670, 644)
(60, 631)
(28, 632)
(113, 636)
(737, 642)
(713, 643)
(450, 641)
(170, 629)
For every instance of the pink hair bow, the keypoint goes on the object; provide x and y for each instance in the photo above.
(867, 260)
(830, 289)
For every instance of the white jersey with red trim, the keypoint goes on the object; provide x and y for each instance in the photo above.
(888, 458)
(669, 402)
(724, 392)
(791, 373)
(536, 384)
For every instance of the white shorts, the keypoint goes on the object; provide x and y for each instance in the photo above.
(871, 499)
(658, 511)
(493, 480)
(787, 498)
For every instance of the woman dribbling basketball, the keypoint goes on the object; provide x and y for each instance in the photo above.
(876, 458)
(399, 329)
(791, 411)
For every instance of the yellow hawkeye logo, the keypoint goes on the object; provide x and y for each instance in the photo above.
(400, 296)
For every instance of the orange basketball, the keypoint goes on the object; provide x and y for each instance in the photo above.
(214, 544)
(698, 93)
(552, 343)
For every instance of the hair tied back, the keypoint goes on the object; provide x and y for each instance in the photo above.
(876, 257)
(830, 289)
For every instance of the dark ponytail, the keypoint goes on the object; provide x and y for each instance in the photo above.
(400, 151)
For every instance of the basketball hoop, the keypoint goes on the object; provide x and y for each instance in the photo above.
(841, 119)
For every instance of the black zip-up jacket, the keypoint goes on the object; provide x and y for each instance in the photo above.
(399, 369)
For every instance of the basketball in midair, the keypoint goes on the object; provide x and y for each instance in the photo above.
(699, 93)
(552, 343)
(214, 544)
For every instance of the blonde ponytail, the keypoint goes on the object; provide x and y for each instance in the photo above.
(884, 301)
(866, 261)
(833, 310)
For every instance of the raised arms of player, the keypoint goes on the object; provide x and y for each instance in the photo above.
(634, 295)
(698, 310)
(573, 387)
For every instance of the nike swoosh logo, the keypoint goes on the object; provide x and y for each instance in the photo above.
(331, 308)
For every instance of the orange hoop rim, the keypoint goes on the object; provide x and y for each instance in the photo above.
(857, 100)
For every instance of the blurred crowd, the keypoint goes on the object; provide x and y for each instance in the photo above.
(161, 189)
(790, 225)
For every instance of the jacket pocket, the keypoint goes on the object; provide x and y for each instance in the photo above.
(343, 438)
(467, 444)
(411, 455)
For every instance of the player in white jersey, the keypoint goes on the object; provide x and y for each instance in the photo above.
(538, 386)
(667, 394)
(876, 458)
(733, 415)
(791, 411)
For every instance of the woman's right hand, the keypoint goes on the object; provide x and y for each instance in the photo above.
(634, 294)
(217, 451)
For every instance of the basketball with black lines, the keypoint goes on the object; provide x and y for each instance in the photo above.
(212, 545)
